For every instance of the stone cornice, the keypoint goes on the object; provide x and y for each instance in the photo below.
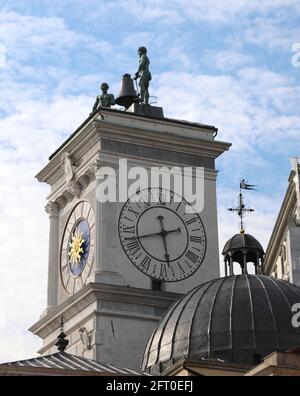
(97, 291)
(164, 140)
(67, 191)
(208, 130)
(83, 153)
(96, 129)
(53, 170)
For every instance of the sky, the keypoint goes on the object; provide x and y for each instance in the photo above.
(234, 64)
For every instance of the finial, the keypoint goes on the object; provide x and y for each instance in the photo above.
(61, 342)
(62, 324)
(241, 209)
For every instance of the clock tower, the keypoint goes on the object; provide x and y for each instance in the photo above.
(116, 266)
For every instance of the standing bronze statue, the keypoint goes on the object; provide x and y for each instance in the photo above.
(143, 74)
(106, 99)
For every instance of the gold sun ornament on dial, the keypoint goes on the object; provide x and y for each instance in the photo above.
(77, 248)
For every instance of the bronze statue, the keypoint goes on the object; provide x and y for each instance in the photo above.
(144, 74)
(106, 99)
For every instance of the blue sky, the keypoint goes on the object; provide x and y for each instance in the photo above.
(227, 63)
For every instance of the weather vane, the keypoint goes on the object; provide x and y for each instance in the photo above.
(241, 208)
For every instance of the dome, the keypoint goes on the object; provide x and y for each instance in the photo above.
(242, 241)
(243, 249)
(235, 318)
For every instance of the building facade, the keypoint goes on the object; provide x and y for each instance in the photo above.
(108, 277)
(282, 258)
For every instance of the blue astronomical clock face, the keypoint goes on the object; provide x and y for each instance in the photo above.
(77, 249)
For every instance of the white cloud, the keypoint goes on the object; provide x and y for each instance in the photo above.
(157, 10)
(250, 109)
(217, 11)
(15, 29)
(177, 55)
(27, 138)
(42, 123)
(2, 56)
(227, 60)
(26, 36)
(271, 33)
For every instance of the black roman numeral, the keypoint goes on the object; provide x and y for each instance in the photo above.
(196, 239)
(145, 263)
(173, 273)
(181, 270)
(134, 212)
(191, 221)
(127, 218)
(146, 203)
(129, 230)
(178, 206)
(133, 247)
(192, 256)
(163, 271)
(188, 264)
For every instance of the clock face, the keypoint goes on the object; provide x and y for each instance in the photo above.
(77, 249)
(160, 238)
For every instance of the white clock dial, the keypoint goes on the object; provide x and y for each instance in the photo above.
(160, 238)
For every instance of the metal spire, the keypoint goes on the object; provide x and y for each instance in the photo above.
(61, 342)
(241, 208)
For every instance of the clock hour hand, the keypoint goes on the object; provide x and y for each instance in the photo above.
(176, 230)
(163, 234)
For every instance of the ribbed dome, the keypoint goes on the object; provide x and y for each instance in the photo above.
(242, 241)
(232, 318)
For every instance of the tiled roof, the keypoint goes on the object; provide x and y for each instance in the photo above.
(63, 360)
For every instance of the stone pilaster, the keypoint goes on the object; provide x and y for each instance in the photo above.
(52, 209)
(103, 270)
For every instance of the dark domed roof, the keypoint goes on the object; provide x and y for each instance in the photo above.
(233, 318)
(242, 241)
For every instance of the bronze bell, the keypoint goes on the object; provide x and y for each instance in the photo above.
(127, 93)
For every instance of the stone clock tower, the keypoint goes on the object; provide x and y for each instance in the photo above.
(116, 267)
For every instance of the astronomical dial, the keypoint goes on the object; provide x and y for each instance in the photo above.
(77, 248)
(162, 239)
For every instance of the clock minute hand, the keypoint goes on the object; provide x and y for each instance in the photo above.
(154, 234)
(144, 236)
(163, 234)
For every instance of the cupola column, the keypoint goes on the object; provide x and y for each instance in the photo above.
(256, 265)
(225, 265)
(231, 264)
